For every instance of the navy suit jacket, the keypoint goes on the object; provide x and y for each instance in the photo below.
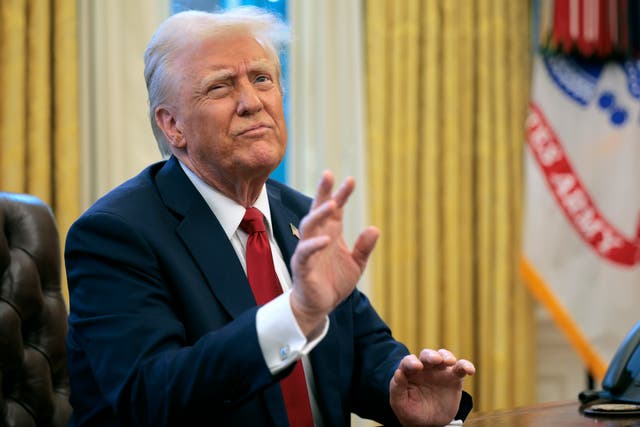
(162, 318)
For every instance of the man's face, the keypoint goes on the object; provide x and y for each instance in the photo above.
(228, 112)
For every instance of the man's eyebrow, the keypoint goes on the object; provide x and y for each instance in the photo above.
(223, 73)
(217, 75)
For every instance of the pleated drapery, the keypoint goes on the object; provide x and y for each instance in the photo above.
(447, 91)
(39, 106)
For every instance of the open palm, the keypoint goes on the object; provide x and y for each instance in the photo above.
(325, 270)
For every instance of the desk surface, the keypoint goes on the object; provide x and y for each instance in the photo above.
(565, 414)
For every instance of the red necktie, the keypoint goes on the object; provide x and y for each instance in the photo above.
(266, 286)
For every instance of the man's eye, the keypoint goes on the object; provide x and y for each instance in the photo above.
(263, 79)
(218, 89)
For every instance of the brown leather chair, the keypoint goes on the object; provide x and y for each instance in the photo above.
(33, 316)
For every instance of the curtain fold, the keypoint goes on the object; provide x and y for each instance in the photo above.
(116, 137)
(326, 118)
(447, 90)
(38, 98)
(39, 151)
(13, 66)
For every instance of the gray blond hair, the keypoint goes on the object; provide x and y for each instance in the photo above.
(183, 28)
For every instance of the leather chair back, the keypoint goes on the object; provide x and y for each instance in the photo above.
(33, 316)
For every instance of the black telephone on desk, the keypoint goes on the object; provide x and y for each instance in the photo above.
(621, 383)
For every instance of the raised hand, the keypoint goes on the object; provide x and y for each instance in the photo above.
(324, 269)
(426, 391)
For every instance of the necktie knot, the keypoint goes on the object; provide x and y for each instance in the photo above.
(253, 221)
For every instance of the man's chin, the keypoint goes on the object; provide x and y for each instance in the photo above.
(258, 169)
(264, 163)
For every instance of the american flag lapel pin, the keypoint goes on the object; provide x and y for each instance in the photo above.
(294, 231)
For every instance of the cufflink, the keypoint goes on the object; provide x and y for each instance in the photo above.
(285, 350)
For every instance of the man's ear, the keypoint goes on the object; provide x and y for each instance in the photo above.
(168, 124)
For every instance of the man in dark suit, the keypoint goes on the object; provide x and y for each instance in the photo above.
(164, 324)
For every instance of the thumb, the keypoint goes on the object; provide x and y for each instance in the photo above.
(397, 385)
(364, 245)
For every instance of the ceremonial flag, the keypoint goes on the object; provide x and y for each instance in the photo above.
(582, 237)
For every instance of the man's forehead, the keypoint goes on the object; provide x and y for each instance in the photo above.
(249, 64)
(231, 51)
(232, 44)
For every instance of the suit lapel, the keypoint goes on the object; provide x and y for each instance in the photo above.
(205, 240)
(283, 219)
(211, 249)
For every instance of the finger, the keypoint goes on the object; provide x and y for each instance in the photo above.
(344, 191)
(323, 193)
(307, 247)
(447, 357)
(463, 368)
(364, 245)
(399, 383)
(316, 217)
(430, 357)
(398, 386)
(410, 364)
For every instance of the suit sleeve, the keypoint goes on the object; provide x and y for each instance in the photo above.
(124, 318)
(377, 356)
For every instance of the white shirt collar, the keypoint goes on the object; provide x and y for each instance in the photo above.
(227, 211)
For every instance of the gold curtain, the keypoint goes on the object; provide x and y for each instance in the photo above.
(447, 87)
(39, 148)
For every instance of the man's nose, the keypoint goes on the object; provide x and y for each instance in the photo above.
(249, 101)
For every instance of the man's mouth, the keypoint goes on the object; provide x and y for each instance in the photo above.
(254, 130)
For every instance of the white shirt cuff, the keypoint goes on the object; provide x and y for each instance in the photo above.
(281, 340)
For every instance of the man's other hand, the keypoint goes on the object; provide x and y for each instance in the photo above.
(426, 391)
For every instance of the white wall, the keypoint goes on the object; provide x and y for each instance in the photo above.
(561, 375)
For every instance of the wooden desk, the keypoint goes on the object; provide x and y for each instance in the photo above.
(566, 414)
